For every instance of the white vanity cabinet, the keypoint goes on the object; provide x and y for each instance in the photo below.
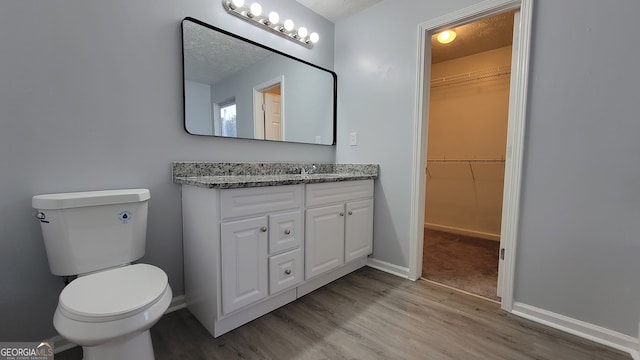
(338, 224)
(260, 235)
(246, 250)
(242, 247)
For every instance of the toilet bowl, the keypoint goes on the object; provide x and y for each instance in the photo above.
(109, 313)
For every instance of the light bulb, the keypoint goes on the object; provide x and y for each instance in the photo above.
(302, 32)
(446, 36)
(237, 3)
(314, 37)
(288, 24)
(274, 17)
(255, 9)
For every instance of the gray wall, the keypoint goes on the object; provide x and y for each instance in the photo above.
(197, 97)
(91, 98)
(578, 249)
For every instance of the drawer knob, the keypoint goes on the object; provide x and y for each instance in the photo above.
(350, 212)
(341, 214)
(287, 232)
(263, 229)
(287, 272)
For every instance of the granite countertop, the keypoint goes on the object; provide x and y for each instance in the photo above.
(243, 175)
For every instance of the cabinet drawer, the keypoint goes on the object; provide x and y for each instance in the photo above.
(327, 193)
(285, 270)
(259, 200)
(285, 231)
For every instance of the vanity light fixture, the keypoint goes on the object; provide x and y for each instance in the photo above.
(253, 14)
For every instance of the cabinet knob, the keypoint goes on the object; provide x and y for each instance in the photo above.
(350, 212)
(287, 232)
(287, 272)
(263, 229)
(341, 214)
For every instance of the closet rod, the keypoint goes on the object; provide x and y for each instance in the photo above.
(499, 71)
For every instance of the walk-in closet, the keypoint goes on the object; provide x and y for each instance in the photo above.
(466, 151)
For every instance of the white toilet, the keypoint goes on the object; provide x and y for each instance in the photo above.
(110, 307)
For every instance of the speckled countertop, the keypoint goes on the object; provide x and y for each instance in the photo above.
(242, 175)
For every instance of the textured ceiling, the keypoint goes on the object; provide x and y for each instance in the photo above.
(482, 35)
(337, 9)
(210, 56)
(205, 58)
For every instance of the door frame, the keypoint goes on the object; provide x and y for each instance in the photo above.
(515, 133)
(258, 127)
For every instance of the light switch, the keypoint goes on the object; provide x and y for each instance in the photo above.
(353, 139)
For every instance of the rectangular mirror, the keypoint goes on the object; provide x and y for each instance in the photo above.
(234, 87)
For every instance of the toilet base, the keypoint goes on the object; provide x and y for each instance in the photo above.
(137, 347)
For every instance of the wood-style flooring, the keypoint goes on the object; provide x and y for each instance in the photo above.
(373, 315)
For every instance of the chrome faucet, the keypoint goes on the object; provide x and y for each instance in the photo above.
(308, 171)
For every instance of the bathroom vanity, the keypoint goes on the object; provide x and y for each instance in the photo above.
(257, 236)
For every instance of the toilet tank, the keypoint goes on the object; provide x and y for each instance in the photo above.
(94, 230)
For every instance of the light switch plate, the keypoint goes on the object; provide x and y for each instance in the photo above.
(353, 139)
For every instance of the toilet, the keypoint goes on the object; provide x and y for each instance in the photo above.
(111, 305)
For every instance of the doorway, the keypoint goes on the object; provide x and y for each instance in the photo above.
(515, 134)
(268, 114)
(466, 149)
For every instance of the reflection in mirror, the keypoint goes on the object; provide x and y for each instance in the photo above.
(234, 87)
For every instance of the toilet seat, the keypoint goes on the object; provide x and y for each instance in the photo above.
(113, 294)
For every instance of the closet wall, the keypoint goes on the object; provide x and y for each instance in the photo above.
(466, 143)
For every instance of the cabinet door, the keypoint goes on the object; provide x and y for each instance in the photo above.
(359, 229)
(324, 239)
(244, 262)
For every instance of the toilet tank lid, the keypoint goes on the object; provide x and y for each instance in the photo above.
(89, 198)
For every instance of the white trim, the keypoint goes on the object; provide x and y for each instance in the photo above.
(177, 303)
(258, 130)
(461, 231)
(392, 269)
(579, 328)
(61, 344)
(515, 140)
(515, 154)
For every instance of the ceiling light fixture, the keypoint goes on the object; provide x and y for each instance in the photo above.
(253, 14)
(446, 36)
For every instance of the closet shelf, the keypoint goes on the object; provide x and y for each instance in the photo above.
(495, 72)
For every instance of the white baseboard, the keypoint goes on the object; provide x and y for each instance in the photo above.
(61, 344)
(580, 328)
(461, 231)
(177, 303)
(396, 270)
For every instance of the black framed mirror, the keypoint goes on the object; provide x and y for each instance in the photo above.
(234, 87)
